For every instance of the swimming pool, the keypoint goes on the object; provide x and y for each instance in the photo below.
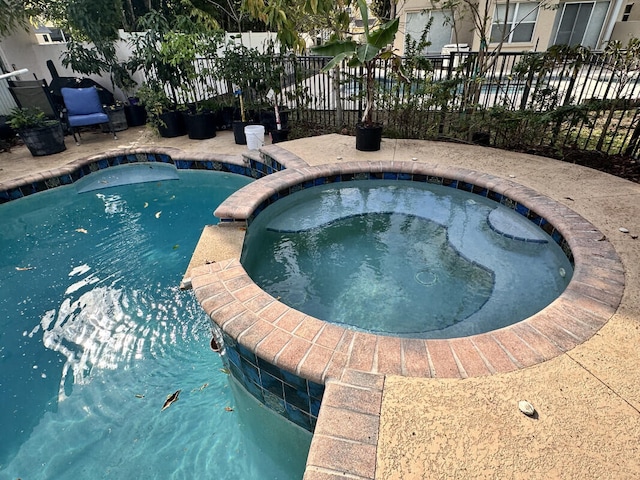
(96, 334)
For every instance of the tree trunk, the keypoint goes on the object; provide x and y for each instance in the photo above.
(337, 97)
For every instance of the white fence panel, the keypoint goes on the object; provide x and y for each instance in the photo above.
(6, 100)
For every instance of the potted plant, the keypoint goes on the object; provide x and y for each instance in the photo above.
(375, 45)
(41, 135)
(163, 86)
(238, 69)
(165, 120)
(121, 76)
(181, 50)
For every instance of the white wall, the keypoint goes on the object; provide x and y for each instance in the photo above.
(21, 50)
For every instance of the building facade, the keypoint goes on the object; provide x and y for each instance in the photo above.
(529, 26)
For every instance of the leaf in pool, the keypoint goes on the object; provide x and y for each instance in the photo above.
(200, 389)
(158, 214)
(146, 204)
(81, 230)
(170, 399)
(24, 269)
(228, 409)
(139, 395)
(225, 371)
(176, 246)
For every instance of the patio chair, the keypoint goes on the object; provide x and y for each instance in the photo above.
(83, 108)
(34, 94)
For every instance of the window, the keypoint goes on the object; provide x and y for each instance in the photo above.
(518, 25)
(580, 23)
(627, 12)
(439, 34)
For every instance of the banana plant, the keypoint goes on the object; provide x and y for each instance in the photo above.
(375, 45)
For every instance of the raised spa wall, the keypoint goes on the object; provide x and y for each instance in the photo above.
(284, 357)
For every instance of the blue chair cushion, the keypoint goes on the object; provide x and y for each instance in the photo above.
(81, 101)
(90, 119)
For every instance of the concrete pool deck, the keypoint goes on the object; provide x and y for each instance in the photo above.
(587, 399)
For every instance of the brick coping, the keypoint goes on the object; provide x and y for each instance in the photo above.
(319, 351)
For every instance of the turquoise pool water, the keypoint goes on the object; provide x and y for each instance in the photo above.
(404, 259)
(94, 334)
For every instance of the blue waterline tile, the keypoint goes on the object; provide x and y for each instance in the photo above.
(296, 397)
(255, 390)
(294, 380)
(250, 371)
(316, 390)
(270, 368)
(272, 384)
(247, 354)
(314, 406)
(297, 416)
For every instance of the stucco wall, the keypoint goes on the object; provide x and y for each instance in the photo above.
(623, 31)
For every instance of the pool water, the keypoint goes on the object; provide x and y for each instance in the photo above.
(404, 259)
(95, 334)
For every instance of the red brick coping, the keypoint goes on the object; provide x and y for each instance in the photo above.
(319, 350)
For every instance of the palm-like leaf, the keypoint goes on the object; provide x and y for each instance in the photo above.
(384, 34)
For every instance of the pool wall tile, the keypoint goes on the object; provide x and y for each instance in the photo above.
(77, 169)
(288, 394)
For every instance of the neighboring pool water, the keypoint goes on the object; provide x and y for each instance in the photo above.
(404, 259)
(94, 334)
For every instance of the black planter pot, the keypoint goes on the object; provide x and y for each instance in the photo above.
(368, 137)
(201, 126)
(136, 115)
(225, 118)
(268, 119)
(172, 125)
(44, 140)
(481, 138)
(238, 132)
(279, 135)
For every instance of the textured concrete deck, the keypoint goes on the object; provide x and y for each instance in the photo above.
(587, 399)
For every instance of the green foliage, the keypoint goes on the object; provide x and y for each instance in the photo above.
(154, 98)
(169, 47)
(26, 118)
(13, 16)
(255, 76)
(291, 17)
(374, 46)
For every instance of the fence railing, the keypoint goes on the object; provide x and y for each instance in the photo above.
(527, 101)
(523, 101)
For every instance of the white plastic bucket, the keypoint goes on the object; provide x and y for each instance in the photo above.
(255, 136)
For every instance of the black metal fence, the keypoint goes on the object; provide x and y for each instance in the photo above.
(524, 101)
